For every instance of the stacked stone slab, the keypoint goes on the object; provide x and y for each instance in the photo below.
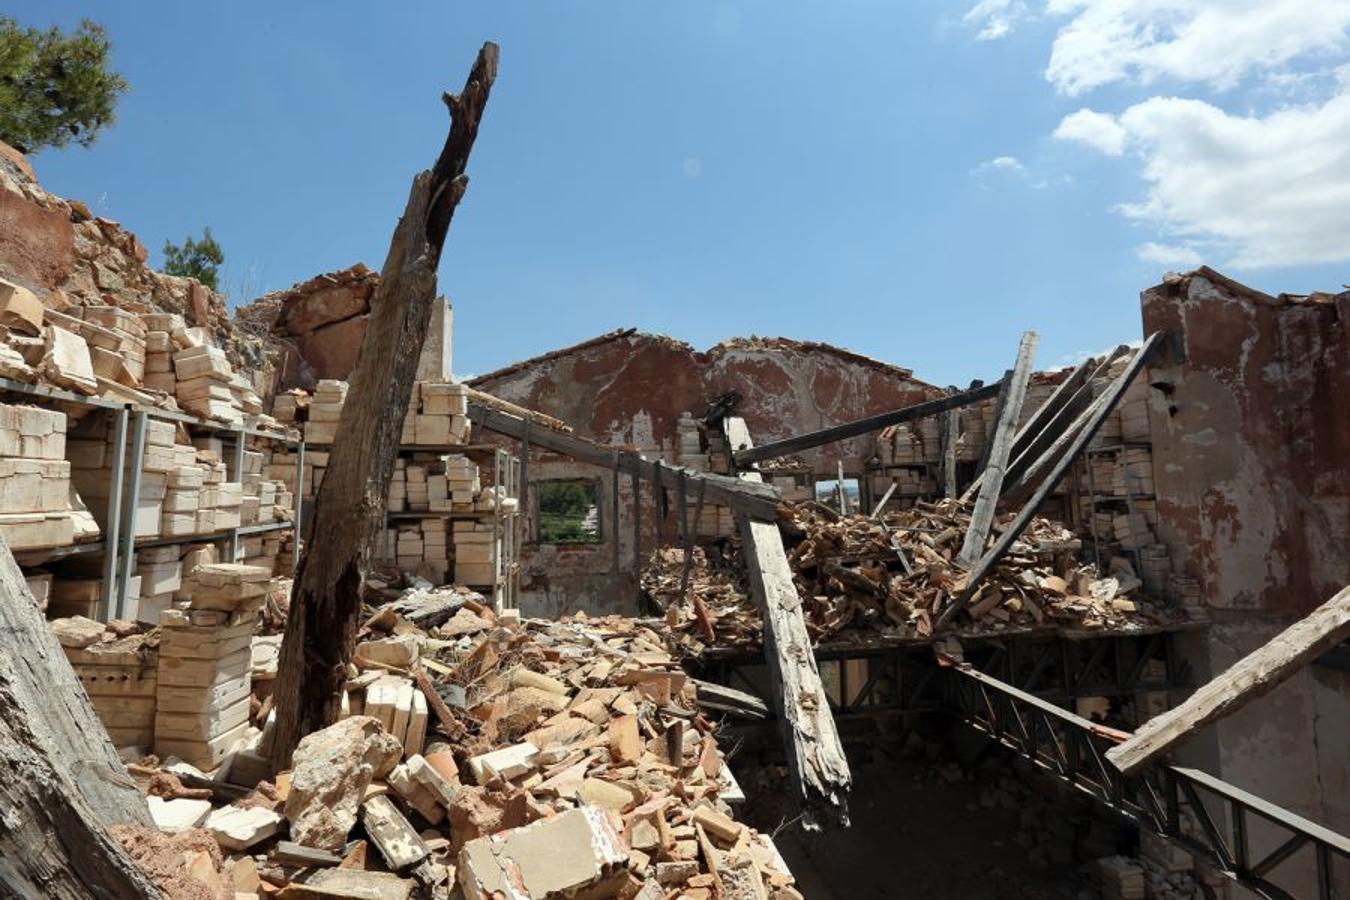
(325, 410)
(462, 481)
(35, 479)
(473, 552)
(121, 679)
(161, 576)
(203, 693)
(204, 383)
(116, 339)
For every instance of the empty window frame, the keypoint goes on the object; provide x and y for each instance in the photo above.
(567, 511)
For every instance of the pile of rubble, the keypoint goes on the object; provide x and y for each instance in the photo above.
(859, 576)
(509, 758)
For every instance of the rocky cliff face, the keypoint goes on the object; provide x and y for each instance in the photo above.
(67, 256)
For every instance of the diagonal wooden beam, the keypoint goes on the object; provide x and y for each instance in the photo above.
(816, 762)
(1253, 676)
(982, 518)
(757, 500)
(1043, 448)
(862, 426)
(1040, 419)
(1091, 421)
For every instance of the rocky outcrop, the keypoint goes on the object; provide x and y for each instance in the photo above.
(64, 254)
(319, 324)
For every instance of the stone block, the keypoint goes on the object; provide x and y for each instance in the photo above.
(577, 853)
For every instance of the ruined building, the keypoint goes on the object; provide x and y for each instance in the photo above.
(625, 584)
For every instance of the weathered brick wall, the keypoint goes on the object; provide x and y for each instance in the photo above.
(1251, 445)
(630, 389)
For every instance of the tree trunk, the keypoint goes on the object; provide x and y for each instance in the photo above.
(61, 782)
(349, 511)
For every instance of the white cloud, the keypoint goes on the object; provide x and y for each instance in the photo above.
(1267, 191)
(995, 18)
(1215, 42)
(1097, 130)
(1009, 164)
(1181, 257)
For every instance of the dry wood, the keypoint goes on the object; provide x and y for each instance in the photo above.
(349, 511)
(816, 761)
(862, 426)
(1256, 674)
(1082, 431)
(61, 782)
(991, 479)
(757, 499)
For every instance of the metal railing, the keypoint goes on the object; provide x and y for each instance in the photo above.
(1208, 817)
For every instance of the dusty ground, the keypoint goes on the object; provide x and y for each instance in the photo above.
(918, 835)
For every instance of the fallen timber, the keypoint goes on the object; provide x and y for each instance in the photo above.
(754, 499)
(773, 449)
(816, 762)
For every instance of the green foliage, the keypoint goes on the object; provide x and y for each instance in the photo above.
(568, 512)
(55, 88)
(195, 259)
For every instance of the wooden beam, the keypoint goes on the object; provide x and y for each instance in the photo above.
(1043, 448)
(982, 518)
(759, 501)
(349, 509)
(862, 426)
(951, 431)
(816, 762)
(1256, 674)
(61, 782)
(1041, 418)
(1094, 417)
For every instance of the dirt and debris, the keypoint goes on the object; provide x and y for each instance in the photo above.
(461, 749)
(862, 577)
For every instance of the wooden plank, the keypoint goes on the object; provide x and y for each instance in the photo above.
(816, 762)
(1042, 416)
(982, 518)
(1020, 478)
(951, 430)
(61, 782)
(862, 426)
(885, 498)
(1092, 421)
(758, 500)
(1255, 675)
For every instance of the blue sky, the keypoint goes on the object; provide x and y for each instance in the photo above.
(917, 181)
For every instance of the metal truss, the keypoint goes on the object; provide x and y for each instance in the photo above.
(898, 679)
(1208, 817)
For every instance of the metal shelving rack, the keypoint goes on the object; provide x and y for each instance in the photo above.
(119, 544)
(508, 471)
(1116, 450)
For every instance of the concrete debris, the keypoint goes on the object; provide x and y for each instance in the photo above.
(331, 770)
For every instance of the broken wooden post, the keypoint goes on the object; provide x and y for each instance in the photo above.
(982, 518)
(865, 425)
(1082, 433)
(1255, 675)
(816, 761)
(349, 510)
(61, 782)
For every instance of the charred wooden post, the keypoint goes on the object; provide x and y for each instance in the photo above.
(61, 783)
(349, 510)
